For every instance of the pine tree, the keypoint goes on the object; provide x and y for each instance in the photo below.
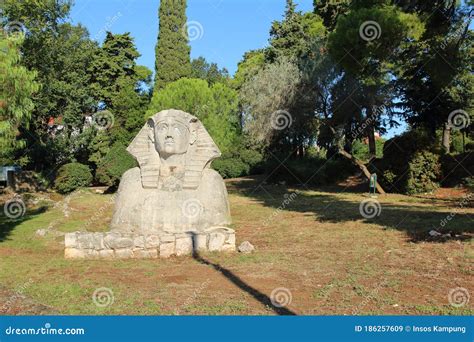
(172, 50)
(17, 86)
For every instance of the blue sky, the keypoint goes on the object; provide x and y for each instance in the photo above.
(229, 27)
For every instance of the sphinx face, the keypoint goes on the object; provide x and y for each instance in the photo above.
(171, 137)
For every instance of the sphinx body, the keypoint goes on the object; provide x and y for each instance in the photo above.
(173, 190)
(173, 203)
(157, 211)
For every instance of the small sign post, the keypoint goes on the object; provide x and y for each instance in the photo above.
(373, 183)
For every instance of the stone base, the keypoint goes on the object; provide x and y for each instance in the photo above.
(112, 245)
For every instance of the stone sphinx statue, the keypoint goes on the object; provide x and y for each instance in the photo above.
(173, 190)
(172, 203)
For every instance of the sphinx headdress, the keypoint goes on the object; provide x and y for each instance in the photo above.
(199, 155)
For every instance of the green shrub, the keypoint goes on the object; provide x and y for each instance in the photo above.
(72, 176)
(310, 171)
(457, 168)
(410, 163)
(230, 167)
(113, 165)
(469, 183)
(240, 160)
(424, 173)
(360, 150)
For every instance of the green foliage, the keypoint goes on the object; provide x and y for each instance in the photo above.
(99, 147)
(216, 107)
(113, 165)
(360, 149)
(209, 72)
(469, 183)
(119, 82)
(172, 49)
(410, 164)
(292, 36)
(374, 56)
(72, 176)
(230, 167)
(330, 10)
(457, 168)
(270, 92)
(17, 86)
(241, 159)
(424, 172)
(309, 171)
(190, 95)
(251, 63)
(113, 63)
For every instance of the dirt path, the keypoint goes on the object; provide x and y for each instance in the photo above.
(16, 303)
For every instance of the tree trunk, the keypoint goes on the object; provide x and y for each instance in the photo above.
(355, 161)
(372, 146)
(301, 151)
(446, 138)
(362, 167)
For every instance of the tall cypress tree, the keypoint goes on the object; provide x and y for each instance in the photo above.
(172, 50)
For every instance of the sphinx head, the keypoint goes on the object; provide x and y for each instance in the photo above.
(172, 134)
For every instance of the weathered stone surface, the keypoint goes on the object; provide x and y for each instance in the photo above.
(228, 248)
(167, 249)
(110, 238)
(106, 254)
(124, 253)
(91, 254)
(70, 240)
(216, 241)
(41, 232)
(246, 247)
(98, 241)
(85, 241)
(184, 245)
(230, 240)
(173, 190)
(145, 253)
(119, 243)
(167, 238)
(139, 241)
(200, 242)
(152, 241)
(171, 204)
(74, 253)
